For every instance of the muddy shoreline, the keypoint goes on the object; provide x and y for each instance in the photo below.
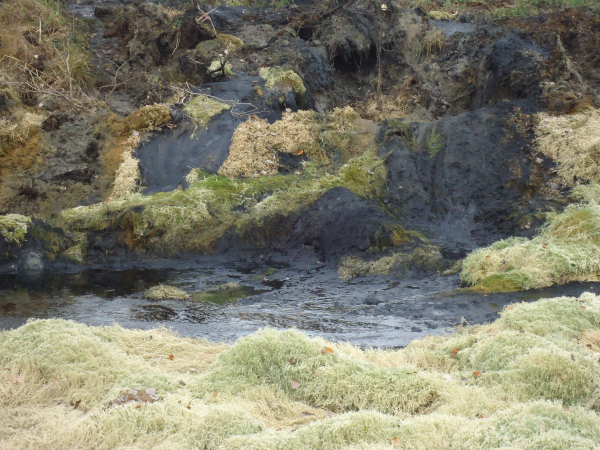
(367, 311)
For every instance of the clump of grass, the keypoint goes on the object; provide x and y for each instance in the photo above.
(434, 142)
(279, 75)
(139, 122)
(201, 109)
(162, 291)
(425, 257)
(154, 115)
(328, 380)
(256, 143)
(13, 227)
(524, 381)
(567, 249)
(432, 42)
(128, 173)
(573, 141)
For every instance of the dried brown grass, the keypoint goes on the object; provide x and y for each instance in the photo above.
(573, 141)
(256, 143)
(42, 52)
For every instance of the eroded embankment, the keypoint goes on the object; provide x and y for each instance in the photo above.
(529, 380)
(231, 131)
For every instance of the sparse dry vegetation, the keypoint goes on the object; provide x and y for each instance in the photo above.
(19, 130)
(256, 143)
(573, 141)
(525, 381)
(42, 53)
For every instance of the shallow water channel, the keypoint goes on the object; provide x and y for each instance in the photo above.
(367, 311)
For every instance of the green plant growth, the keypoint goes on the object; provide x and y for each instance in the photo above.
(279, 75)
(162, 292)
(219, 67)
(434, 143)
(402, 128)
(528, 380)
(226, 293)
(201, 109)
(13, 227)
(195, 218)
(566, 249)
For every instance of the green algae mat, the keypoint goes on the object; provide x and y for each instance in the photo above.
(528, 381)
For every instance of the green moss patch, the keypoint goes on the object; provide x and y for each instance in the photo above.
(282, 76)
(13, 227)
(201, 109)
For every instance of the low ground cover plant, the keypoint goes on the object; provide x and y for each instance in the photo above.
(528, 380)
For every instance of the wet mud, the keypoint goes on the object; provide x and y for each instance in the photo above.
(367, 311)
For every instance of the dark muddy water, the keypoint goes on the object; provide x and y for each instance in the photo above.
(366, 311)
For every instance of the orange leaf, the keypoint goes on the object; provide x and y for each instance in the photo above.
(510, 307)
(396, 440)
(138, 406)
(476, 374)
(171, 357)
(300, 152)
(215, 394)
(326, 350)
(582, 307)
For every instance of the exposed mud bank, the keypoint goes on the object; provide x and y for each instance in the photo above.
(438, 151)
